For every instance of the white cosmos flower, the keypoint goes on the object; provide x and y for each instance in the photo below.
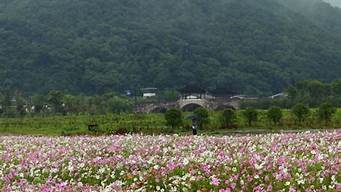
(185, 161)
(156, 166)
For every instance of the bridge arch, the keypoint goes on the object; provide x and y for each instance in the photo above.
(191, 107)
(192, 104)
(188, 105)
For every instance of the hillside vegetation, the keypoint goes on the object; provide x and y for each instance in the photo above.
(319, 13)
(85, 46)
(155, 124)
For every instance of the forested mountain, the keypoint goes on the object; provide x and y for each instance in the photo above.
(320, 13)
(87, 46)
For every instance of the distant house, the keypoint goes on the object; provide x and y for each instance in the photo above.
(191, 97)
(192, 92)
(127, 93)
(149, 92)
(278, 95)
(242, 97)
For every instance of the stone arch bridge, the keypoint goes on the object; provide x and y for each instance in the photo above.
(189, 105)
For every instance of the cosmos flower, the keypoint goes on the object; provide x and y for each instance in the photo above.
(270, 162)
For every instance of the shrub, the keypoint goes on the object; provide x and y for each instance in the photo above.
(118, 105)
(325, 112)
(228, 118)
(173, 118)
(121, 131)
(300, 112)
(251, 115)
(203, 116)
(275, 115)
(93, 128)
(55, 98)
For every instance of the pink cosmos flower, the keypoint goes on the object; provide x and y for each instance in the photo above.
(233, 186)
(281, 160)
(338, 187)
(215, 181)
(258, 189)
(225, 190)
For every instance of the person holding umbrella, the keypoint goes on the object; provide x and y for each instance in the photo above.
(194, 126)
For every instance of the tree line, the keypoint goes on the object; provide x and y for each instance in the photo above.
(311, 93)
(229, 118)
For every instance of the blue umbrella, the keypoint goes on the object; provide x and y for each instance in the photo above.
(192, 117)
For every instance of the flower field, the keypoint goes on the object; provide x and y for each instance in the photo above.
(272, 162)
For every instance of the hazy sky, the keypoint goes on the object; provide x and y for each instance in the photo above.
(334, 2)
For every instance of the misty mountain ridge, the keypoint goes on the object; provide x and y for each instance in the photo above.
(242, 46)
(320, 13)
(336, 3)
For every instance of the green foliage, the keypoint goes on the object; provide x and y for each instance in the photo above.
(38, 101)
(337, 118)
(336, 87)
(300, 112)
(55, 98)
(314, 93)
(250, 115)
(203, 117)
(168, 95)
(318, 12)
(325, 112)
(5, 104)
(92, 47)
(117, 105)
(20, 105)
(317, 91)
(275, 115)
(94, 128)
(173, 118)
(228, 118)
(265, 103)
(141, 123)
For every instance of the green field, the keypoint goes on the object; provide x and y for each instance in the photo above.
(149, 124)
